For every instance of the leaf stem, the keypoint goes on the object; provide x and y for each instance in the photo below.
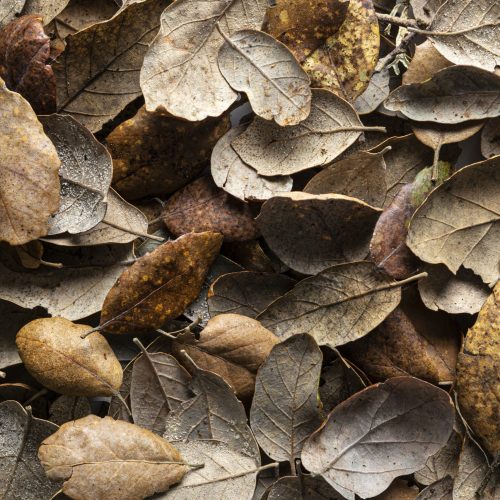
(190, 359)
(398, 21)
(136, 233)
(123, 402)
(87, 333)
(187, 329)
(35, 396)
(415, 29)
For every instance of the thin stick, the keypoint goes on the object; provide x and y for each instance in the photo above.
(398, 21)
(400, 49)
(136, 233)
(35, 396)
(123, 402)
(186, 329)
(415, 29)
(190, 359)
(87, 333)
(56, 265)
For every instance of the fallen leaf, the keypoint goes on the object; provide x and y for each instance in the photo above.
(117, 409)
(160, 285)
(180, 72)
(202, 206)
(21, 475)
(440, 490)
(311, 232)
(251, 256)
(66, 408)
(490, 138)
(24, 62)
(285, 406)
(237, 178)
(46, 9)
(9, 10)
(85, 172)
(259, 65)
(119, 461)
(29, 165)
(375, 93)
(477, 370)
(388, 430)
(453, 95)
(425, 63)
(53, 352)
(305, 487)
(458, 224)
(425, 10)
(94, 90)
(232, 346)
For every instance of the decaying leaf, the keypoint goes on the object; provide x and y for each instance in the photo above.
(29, 184)
(95, 89)
(477, 370)
(180, 72)
(458, 224)
(66, 408)
(338, 305)
(490, 138)
(424, 64)
(85, 172)
(202, 206)
(55, 354)
(237, 178)
(9, 10)
(305, 487)
(277, 87)
(232, 346)
(453, 95)
(388, 430)
(120, 461)
(285, 406)
(24, 58)
(21, 475)
(160, 285)
(311, 232)
(46, 9)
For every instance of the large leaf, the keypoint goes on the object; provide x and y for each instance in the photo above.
(180, 71)
(388, 430)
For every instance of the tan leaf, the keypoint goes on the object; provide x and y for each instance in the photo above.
(160, 285)
(425, 63)
(490, 138)
(120, 461)
(29, 184)
(9, 10)
(47, 9)
(55, 354)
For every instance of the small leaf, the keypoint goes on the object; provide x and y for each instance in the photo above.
(47, 9)
(66, 408)
(375, 94)
(426, 62)
(305, 487)
(441, 489)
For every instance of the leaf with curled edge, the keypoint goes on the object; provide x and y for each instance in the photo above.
(180, 71)
(97, 75)
(21, 475)
(388, 430)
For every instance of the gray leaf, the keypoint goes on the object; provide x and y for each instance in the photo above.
(440, 490)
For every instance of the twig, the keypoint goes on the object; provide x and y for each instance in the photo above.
(188, 329)
(398, 21)
(401, 48)
(416, 29)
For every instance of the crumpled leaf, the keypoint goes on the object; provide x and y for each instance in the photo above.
(458, 224)
(24, 58)
(312, 232)
(338, 305)
(477, 369)
(85, 172)
(453, 95)
(160, 285)
(466, 32)
(230, 173)
(490, 138)
(425, 63)
(46, 9)
(331, 127)
(232, 346)
(305, 487)
(66, 408)
(202, 206)
(120, 461)
(247, 293)
(375, 93)
(388, 430)
(285, 406)
(259, 65)
(21, 475)
(9, 10)
(29, 184)
(95, 89)
(53, 352)
(180, 72)
(441, 490)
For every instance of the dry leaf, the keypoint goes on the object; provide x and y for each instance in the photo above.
(85, 172)
(312, 232)
(180, 72)
(305, 487)
(95, 89)
(285, 406)
(425, 63)
(202, 206)
(477, 374)
(388, 430)
(24, 62)
(425, 10)
(453, 95)
(46, 9)
(375, 94)
(441, 490)
(160, 285)
(29, 184)
(9, 10)
(490, 138)
(120, 461)
(276, 86)
(55, 354)
(232, 346)
(21, 475)
(252, 257)
(458, 224)
(66, 408)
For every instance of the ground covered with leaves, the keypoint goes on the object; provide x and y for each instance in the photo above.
(249, 251)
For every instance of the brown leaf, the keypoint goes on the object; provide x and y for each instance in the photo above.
(388, 430)
(28, 172)
(251, 256)
(305, 487)
(232, 346)
(120, 461)
(55, 354)
(202, 206)
(66, 408)
(425, 63)
(160, 285)
(24, 57)
(490, 138)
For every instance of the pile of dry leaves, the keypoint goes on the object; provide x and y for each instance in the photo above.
(249, 251)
